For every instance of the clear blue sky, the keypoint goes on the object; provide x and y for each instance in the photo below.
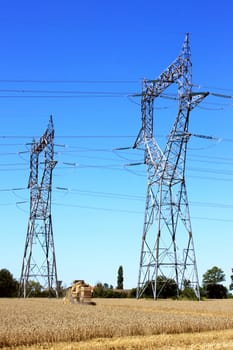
(97, 48)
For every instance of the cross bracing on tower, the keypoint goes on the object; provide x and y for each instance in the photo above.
(39, 261)
(167, 251)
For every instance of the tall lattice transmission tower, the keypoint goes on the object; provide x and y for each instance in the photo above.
(167, 251)
(39, 262)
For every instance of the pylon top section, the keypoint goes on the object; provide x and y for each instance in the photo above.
(151, 89)
(47, 138)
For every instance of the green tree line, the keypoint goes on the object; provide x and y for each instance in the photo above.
(212, 287)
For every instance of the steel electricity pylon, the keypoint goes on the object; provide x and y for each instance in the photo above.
(39, 262)
(167, 252)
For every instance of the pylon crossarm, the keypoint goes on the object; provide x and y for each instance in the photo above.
(197, 98)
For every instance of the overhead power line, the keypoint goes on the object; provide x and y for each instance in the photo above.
(221, 95)
(66, 81)
(211, 87)
(67, 137)
(114, 195)
(65, 92)
(134, 197)
(13, 189)
(128, 211)
(98, 81)
(65, 96)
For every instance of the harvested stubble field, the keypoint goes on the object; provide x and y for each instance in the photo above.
(116, 324)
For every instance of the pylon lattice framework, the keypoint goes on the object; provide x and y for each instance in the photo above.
(167, 251)
(39, 261)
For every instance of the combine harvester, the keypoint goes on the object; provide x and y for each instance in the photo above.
(79, 293)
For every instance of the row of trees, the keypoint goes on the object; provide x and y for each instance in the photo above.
(212, 287)
(9, 286)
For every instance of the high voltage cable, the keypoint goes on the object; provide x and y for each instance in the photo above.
(216, 205)
(211, 87)
(121, 167)
(216, 138)
(208, 161)
(98, 81)
(68, 136)
(212, 171)
(13, 164)
(118, 166)
(110, 95)
(117, 196)
(212, 157)
(86, 94)
(101, 194)
(131, 211)
(107, 81)
(93, 137)
(209, 178)
(12, 153)
(66, 92)
(63, 96)
(11, 144)
(64, 81)
(87, 149)
(13, 189)
(210, 219)
(134, 197)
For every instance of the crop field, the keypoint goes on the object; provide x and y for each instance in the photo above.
(116, 324)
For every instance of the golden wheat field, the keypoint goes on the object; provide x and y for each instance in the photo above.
(116, 324)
